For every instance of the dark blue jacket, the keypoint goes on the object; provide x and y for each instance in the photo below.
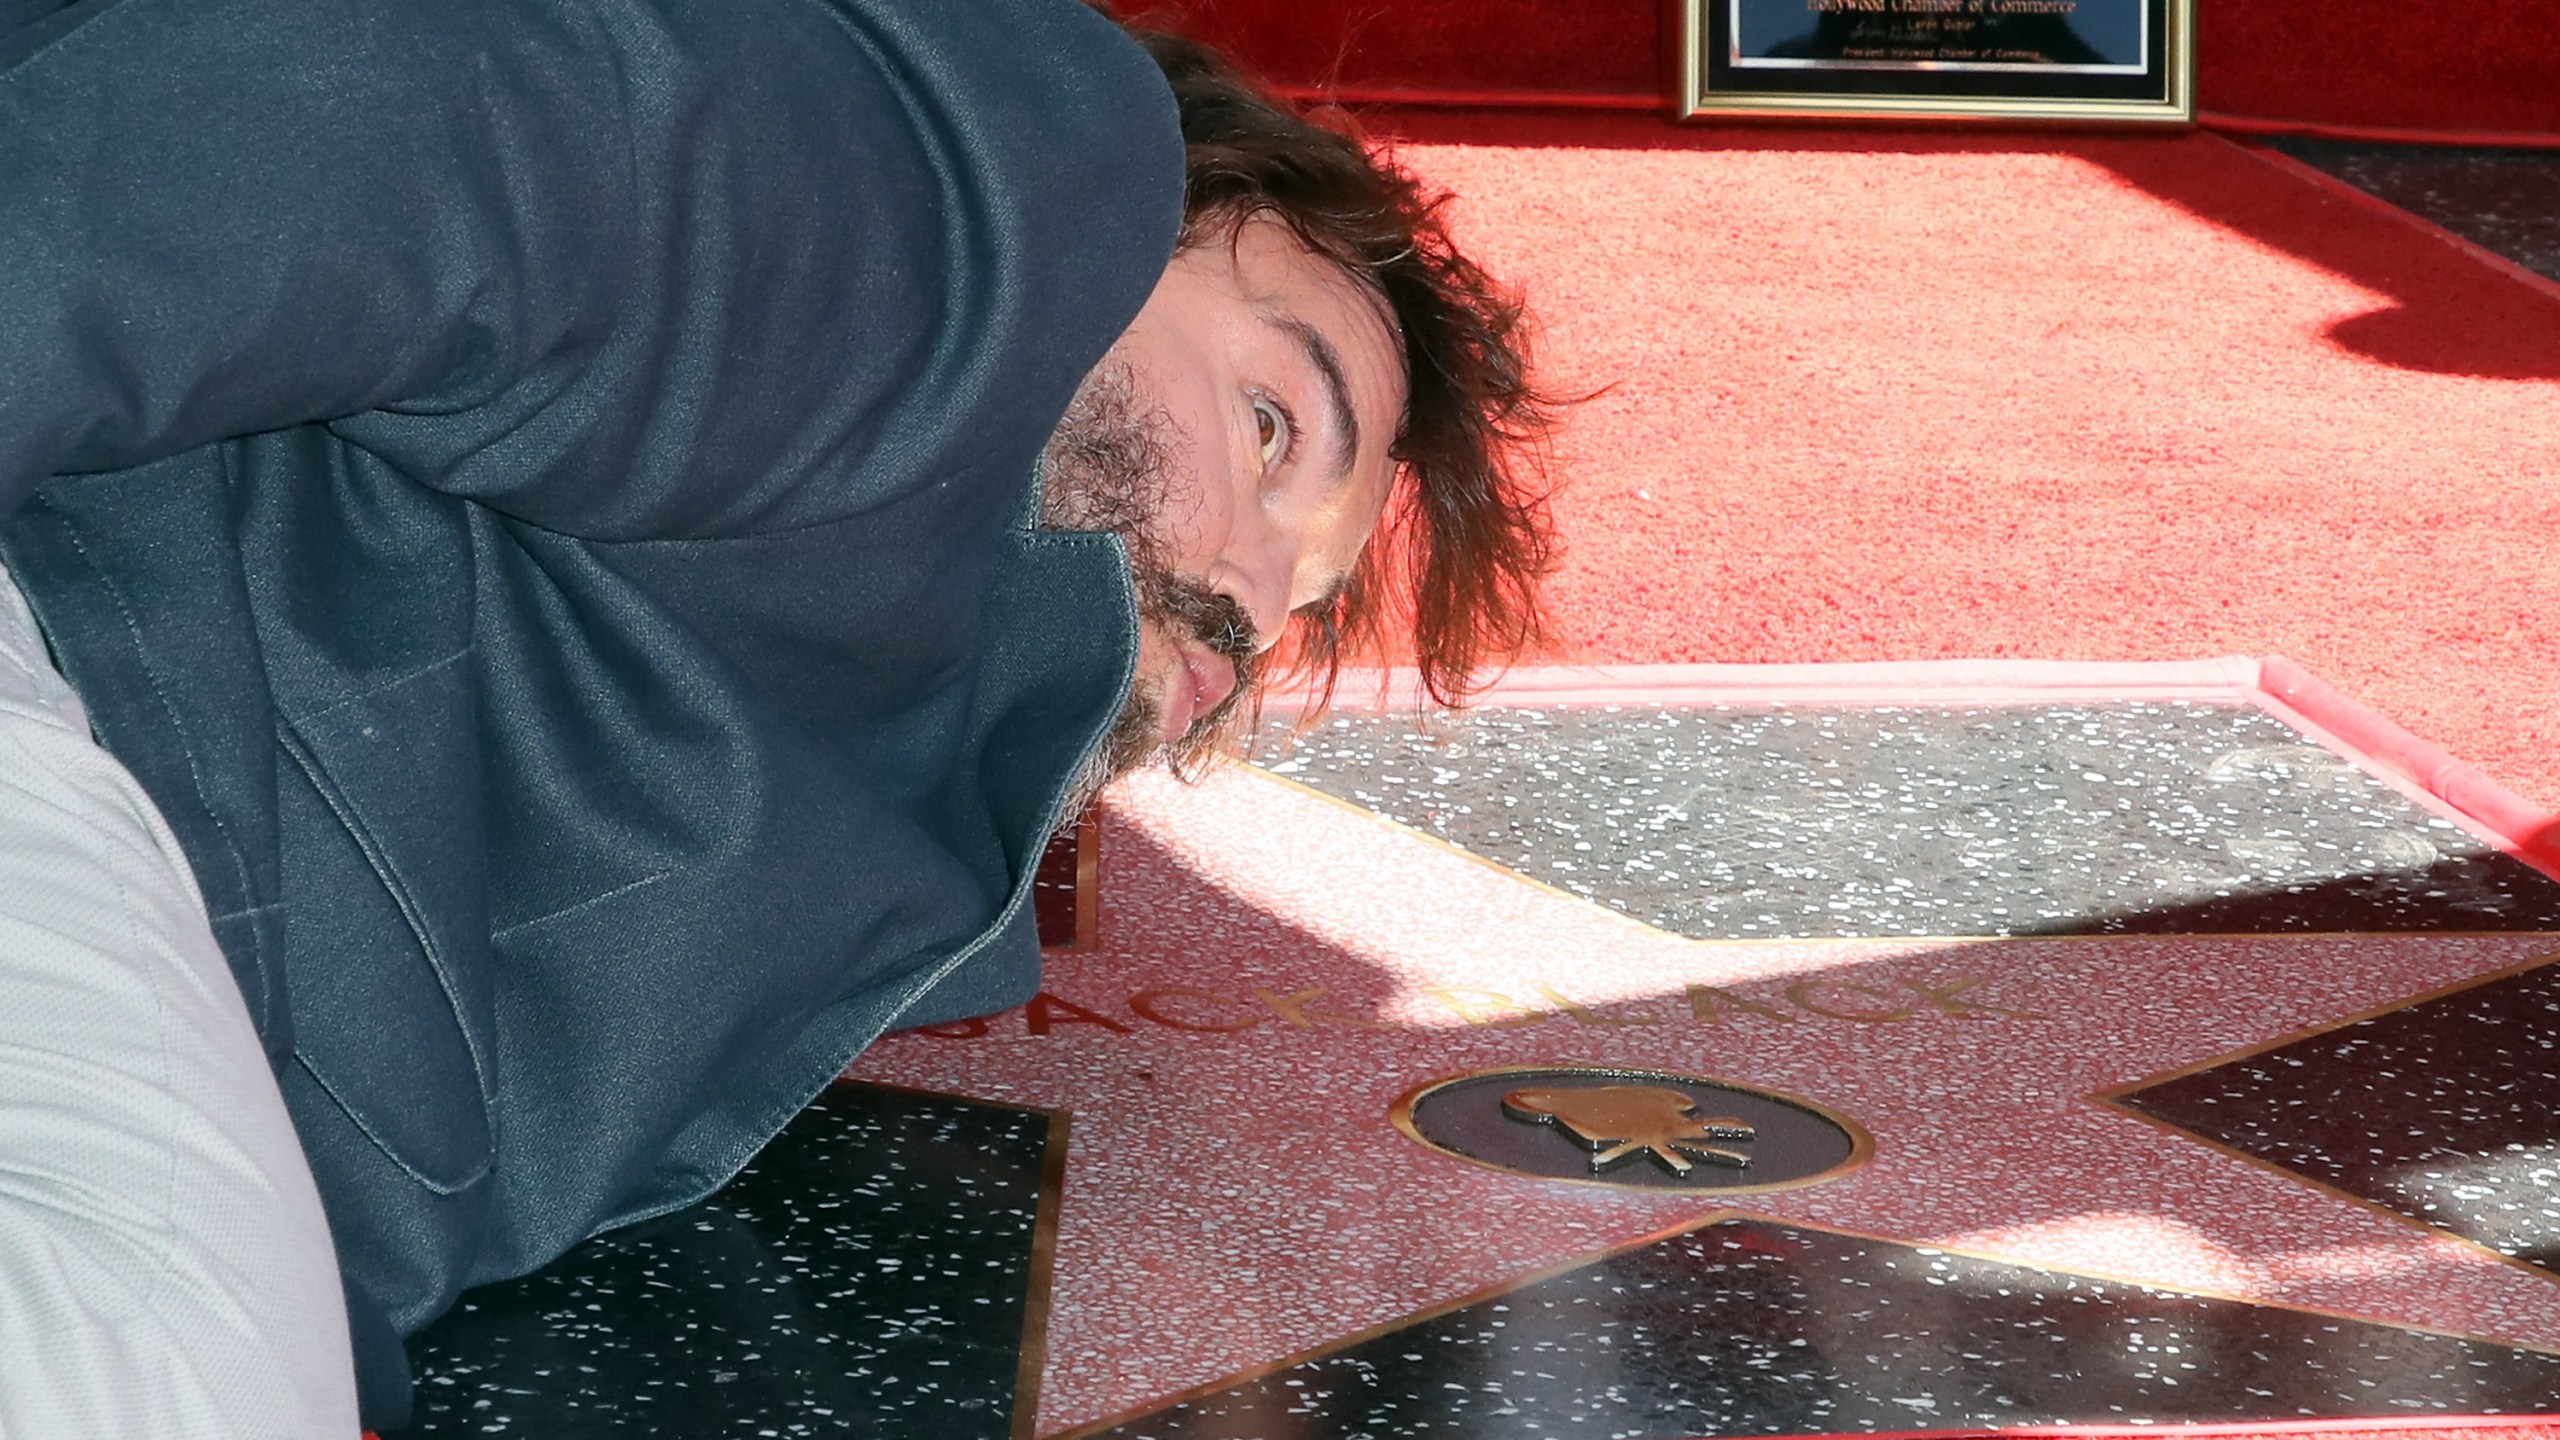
(538, 492)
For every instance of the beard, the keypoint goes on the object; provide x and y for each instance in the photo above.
(1110, 466)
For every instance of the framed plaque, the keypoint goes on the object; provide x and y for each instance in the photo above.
(1987, 59)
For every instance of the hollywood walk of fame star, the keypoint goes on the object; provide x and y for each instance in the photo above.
(1277, 968)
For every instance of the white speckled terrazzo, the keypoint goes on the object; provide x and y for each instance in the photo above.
(1277, 968)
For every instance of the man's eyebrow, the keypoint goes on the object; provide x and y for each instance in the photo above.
(1328, 362)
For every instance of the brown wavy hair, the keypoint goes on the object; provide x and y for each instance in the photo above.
(1467, 537)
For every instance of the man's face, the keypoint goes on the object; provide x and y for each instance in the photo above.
(1237, 436)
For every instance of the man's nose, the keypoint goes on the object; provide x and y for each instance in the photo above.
(1259, 576)
(1267, 617)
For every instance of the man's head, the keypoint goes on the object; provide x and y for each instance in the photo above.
(1311, 433)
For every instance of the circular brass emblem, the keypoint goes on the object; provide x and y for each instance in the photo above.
(1645, 1129)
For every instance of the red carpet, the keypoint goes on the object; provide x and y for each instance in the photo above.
(1886, 396)
(2447, 65)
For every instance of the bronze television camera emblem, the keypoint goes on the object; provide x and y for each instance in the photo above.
(1632, 1128)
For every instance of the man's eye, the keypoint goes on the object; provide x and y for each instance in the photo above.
(1271, 426)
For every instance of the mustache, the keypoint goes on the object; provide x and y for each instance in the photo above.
(1221, 625)
(1218, 624)
(1217, 621)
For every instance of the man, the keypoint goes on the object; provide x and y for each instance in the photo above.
(546, 500)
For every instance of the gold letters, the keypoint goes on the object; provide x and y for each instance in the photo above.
(1483, 1007)
(1583, 1014)
(1299, 1010)
(1149, 1005)
(1875, 999)
(1046, 1010)
(1801, 994)
(1944, 997)
(1709, 1004)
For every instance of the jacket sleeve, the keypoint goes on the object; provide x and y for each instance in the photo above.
(227, 217)
(628, 269)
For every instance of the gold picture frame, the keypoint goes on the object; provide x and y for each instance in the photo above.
(2047, 60)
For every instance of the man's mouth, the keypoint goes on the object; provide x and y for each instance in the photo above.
(1202, 683)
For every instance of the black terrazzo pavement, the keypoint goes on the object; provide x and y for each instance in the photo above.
(1732, 823)
(2504, 201)
(1748, 1327)
(2447, 1111)
(867, 1275)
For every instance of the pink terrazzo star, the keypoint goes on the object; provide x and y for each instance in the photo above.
(1277, 968)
